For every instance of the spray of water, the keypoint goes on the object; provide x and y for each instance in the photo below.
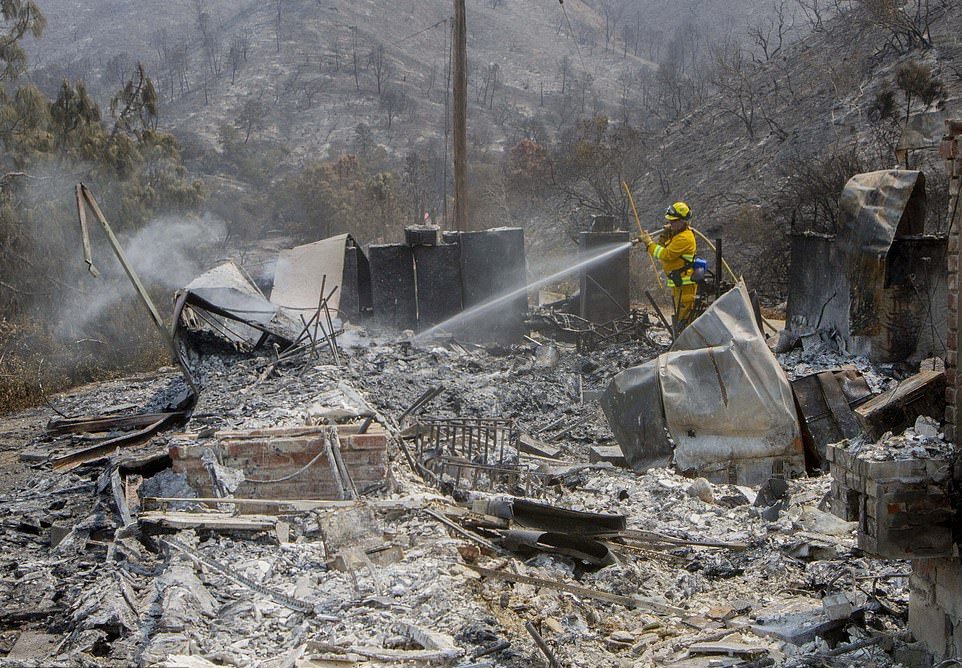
(471, 314)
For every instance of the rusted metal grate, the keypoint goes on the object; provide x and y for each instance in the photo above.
(474, 453)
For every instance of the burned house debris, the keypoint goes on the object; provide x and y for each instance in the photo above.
(717, 404)
(569, 487)
(875, 285)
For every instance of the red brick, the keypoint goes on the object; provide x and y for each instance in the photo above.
(948, 149)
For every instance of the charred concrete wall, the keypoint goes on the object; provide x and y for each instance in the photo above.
(935, 607)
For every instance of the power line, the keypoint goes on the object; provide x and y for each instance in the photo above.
(419, 32)
(571, 32)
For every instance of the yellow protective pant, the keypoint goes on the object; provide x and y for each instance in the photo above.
(684, 301)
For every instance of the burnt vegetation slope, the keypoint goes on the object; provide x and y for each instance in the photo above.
(305, 119)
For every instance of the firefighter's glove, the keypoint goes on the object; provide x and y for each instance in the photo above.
(665, 235)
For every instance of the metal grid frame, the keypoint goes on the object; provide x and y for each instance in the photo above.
(474, 453)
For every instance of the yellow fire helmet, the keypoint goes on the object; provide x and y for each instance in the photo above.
(678, 211)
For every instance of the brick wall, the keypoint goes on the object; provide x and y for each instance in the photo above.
(280, 455)
(935, 605)
(903, 507)
(951, 151)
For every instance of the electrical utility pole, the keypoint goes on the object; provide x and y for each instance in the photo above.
(460, 125)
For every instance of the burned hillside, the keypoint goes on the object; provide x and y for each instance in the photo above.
(598, 333)
(360, 465)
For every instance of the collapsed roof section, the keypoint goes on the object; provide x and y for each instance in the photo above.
(225, 303)
(717, 404)
(876, 284)
(330, 274)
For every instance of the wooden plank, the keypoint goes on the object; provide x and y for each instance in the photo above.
(897, 408)
(390, 655)
(535, 447)
(838, 404)
(101, 423)
(727, 649)
(213, 521)
(74, 459)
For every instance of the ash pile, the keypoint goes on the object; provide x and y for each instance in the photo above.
(316, 486)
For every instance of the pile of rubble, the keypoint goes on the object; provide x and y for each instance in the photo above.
(120, 559)
(924, 440)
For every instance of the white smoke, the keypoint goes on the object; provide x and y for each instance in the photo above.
(166, 254)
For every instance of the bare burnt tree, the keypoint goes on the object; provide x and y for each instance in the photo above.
(252, 117)
(378, 61)
(769, 37)
(180, 60)
(626, 85)
(650, 41)
(160, 41)
(235, 57)
(585, 85)
(814, 11)
(883, 117)
(395, 102)
(612, 11)
(431, 80)
(355, 58)
(117, 69)
(907, 23)
(733, 77)
(311, 88)
(210, 39)
(416, 178)
(564, 70)
(809, 199)
(629, 39)
(278, 24)
(485, 83)
(335, 54)
(593, 160)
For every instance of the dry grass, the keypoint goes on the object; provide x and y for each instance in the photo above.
(34, 361)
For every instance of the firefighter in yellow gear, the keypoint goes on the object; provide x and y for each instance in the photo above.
(675, 249)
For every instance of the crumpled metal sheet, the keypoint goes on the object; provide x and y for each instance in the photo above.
(726, 402)
(874, 208)
(546, 517)
(726, 398)
(632, 403)
(864, 282)
(301, 270)
(571, 545)
(233, 309)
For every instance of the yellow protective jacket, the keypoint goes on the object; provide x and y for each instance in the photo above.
(676, 254)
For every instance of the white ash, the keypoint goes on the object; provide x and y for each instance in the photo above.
(923, 441)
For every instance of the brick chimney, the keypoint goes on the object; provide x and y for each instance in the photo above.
(935, 587)
(951, 152)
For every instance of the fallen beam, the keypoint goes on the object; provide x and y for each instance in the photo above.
(210, 521)
(391, 655)
(101, 423)
(896, 409)
(651, 538)
(542, 645)
(86, 455)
